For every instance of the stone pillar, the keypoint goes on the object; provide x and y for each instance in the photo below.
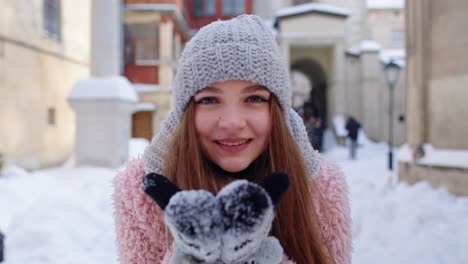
(353, 87)
(418, 41)
(103, 109)
(371, 73)
(106, 38)
(337, 91)
(166, 44)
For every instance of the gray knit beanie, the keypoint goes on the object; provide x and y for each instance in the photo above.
(242, 48)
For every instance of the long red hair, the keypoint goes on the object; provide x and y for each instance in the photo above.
(296, 222)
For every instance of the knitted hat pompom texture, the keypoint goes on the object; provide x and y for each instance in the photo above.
(242, 48)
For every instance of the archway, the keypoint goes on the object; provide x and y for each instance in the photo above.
(318, 80)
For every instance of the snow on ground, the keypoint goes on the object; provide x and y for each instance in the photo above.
(58, 216)
(397, 223)
(64, 214)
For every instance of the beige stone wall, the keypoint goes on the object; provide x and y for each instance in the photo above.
(368, 97)
(448, 82)
(448, 112)
(323, 55)
(312, 26)
(353, 86)
(356, 26)
(163, 102)
(21, 21)
(381, 23)
(453, 179)
(437, 81)
(437, 73)
(372, 97)
(167, 65)
(37, 74)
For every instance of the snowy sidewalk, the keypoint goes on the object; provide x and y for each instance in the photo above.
(58, 216)
(398, 223)
(64, 215)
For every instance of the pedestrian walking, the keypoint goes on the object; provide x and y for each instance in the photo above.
(352, 126)
(231, 177)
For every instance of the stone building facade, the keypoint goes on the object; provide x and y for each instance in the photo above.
(437, 84)
(329, 41)
(44, 49)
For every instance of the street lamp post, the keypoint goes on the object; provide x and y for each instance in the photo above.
(392, 72)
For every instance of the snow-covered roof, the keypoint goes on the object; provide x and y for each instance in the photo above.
(355, 51)
(313, 7)
(369, 46)
(106, 88)
(436, 157)
(144, 107)
(397, 55)
(385, 4)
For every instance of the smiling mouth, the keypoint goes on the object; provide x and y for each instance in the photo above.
(233, 144)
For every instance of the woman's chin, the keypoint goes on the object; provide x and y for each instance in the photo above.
(233, 167)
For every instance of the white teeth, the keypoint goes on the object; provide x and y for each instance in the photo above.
(230, 144)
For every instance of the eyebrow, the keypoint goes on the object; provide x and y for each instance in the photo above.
(254, 88)
(248, 89)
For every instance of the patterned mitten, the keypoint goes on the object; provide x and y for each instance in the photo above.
(230, 228)
(193, 218)
(248, 212)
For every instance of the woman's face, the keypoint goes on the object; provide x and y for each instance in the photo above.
(233, 122)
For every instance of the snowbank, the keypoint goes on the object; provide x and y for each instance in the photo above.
(65, 215)
(436, 157)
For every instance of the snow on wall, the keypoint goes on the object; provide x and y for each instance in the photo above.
(385, 4)
(436, 157)
(311, 7)
(116, 87)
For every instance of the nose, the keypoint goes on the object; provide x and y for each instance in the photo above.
(232, 118)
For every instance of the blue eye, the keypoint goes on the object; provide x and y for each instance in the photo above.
(206, 100)
(256, 99)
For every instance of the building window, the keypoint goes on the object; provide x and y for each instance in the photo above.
(397, 36)
(51, 116)
(233, 7)
(204, 8)
(51, 18)
(141, 43)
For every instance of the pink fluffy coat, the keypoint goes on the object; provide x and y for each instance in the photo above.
(141, 234)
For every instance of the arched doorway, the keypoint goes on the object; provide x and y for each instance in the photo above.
(318, 80)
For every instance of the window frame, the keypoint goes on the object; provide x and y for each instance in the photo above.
(138, 45)
(397, 36)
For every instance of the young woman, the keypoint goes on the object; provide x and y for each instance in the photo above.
(233, 120)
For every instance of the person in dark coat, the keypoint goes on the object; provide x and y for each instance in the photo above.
(352, 125)
(314, 125)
